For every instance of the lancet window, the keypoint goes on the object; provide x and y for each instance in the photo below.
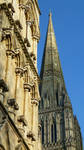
(42, 102)
(62, 129)
(57, 98)
(46, 131)
(53, 132)
(42, 133)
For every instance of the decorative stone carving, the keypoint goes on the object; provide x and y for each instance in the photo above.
(11, 8)
(6, 33)
(10, 53)
(3, 86)
(12, 39)
(22, 120)
(31, 135)
(19, 71)
(3, 122)
(26, 42)
(28, 13)
(18, 24)
(12, 103)
(27, 86)
(34, 101)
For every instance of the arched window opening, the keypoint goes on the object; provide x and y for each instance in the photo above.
(46, 131)
(39, 105)
(42, 102)
(55, 132)
(48, 101)
(42, 133)
(62, 129)
(52, 134)
(62, 100)
(45, 95)
(57, 98)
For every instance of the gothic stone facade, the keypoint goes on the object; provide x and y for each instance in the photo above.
(60, 128)
(19, 94)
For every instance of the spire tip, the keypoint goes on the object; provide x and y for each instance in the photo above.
(50, 14)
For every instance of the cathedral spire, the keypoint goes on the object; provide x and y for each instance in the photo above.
(55, 109)
(51, 62)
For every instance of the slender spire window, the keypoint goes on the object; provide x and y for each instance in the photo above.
(55, 133)
(62, 129)
(46, 131)
(57, 98)
(42, 103)
(42, 132)
(52, 133)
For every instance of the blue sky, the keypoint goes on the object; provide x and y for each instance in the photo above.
(68, 22)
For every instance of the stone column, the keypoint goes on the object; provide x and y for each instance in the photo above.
(35, 117)
(28, 30)
(35, 121)
(35, 50)
(27, 105)
(9, 54)
(22, 19)
(19, 101)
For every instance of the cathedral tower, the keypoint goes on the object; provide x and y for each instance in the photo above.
(59, 126)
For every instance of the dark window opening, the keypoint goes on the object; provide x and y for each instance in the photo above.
(52, 133)
(62, 130)
(42, 133)
(45, 95)
(46, 132)
(57, 98)
(55, 132)
(42, 103)
(39, 105)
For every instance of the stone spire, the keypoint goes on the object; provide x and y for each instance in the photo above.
(55, 109)
(51, 62)
(51, 67)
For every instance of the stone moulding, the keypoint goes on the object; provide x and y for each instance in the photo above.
(10, 121)
(19, 37)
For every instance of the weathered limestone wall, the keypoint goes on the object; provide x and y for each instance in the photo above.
(19, 35)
